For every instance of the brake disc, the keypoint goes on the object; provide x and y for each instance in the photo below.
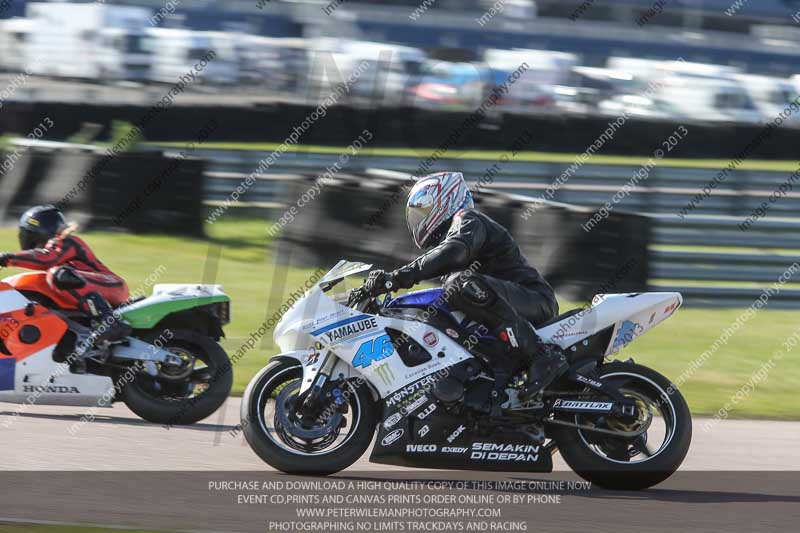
(284, 405)
(178, 372)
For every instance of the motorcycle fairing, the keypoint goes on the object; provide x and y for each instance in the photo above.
(29, 334)
(26, 329)
(40, 380)
(168, 298)
(630, 314)
(37, 282)
(360, 342)
(145, 313)
(417, 431)
(28, 372)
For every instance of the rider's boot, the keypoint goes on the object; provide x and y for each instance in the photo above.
(546, 362)
(107, 327)
(479, 300)
(546, 365)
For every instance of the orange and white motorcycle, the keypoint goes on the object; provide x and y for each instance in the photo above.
(171, 370)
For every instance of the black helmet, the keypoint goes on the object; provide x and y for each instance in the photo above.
(38, 225)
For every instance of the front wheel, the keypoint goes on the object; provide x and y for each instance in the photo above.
(663, 422)
(296, 440)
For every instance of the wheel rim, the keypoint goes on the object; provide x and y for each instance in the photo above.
(284, 427)
(658, 431)
(179, 383)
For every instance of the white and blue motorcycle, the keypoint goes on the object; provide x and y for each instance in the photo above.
(415, 372)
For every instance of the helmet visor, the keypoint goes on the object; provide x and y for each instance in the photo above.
(416, 217)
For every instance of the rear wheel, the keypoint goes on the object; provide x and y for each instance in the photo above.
(290, 439)
(630, 463)
(183, 394)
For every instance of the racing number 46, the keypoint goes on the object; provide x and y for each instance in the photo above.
(373, 350)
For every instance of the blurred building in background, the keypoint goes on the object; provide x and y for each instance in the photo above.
(431, 54)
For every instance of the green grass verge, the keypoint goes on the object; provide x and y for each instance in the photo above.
(249, 274)
(493, 155)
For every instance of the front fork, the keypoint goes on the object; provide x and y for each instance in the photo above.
(318, 382)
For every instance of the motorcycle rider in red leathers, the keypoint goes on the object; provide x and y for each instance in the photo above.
(48, 243)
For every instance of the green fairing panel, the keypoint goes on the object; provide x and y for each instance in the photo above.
(146, 313)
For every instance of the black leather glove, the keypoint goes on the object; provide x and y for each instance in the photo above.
(356, 295)
(4, 257)
(403, 278)
(378, 282)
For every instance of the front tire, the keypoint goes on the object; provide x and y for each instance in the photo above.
(609, 462)
(271, 423)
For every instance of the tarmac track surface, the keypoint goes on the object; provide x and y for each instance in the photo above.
(740, 475)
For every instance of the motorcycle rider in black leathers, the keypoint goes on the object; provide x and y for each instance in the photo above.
(487, 277)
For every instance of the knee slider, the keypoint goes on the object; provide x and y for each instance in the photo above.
(476, 291)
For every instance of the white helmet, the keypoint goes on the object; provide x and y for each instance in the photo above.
(432, 202)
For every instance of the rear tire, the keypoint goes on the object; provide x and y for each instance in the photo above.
(622, 475)
(282, 372)
(182, 411)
